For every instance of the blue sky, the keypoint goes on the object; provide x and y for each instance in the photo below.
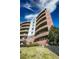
(29, 9)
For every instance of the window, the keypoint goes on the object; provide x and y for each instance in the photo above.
(33, 25)
(32, 28)
(32, 32)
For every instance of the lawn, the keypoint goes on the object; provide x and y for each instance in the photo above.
(36, 53)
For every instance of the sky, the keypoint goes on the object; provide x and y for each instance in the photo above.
(29, 9)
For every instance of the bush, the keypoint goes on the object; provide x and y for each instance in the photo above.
(32, 44)
(53, 36)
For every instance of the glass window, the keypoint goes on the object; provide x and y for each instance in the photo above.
(32, 28)
(33, 22)
(31, 32)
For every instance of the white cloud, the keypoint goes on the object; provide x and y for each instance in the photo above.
(27, 6)
(30, 17)
(49, 4)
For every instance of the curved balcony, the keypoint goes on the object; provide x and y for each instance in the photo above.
(24, 31)
(23, 37)
(23, 34)
(40, 23)
(41, 12)
(41, 28)
(24, 27)
(41, 38)
(41, 35)
(41, 19)
(40, 16)
(21, 40)
(25, 23)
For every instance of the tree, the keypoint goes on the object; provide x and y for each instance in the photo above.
(53, 36)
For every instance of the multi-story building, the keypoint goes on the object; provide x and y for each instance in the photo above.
(24, 29)
(38, 29)
(43, 24)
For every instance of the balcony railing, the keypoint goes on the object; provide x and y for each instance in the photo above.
(41, 35)
(25, 23)
(23, 34)
(42, 18)
(24, 31)
(40, 23)
(41, 13)
(41, 28)
(21, 40)
(24, 27)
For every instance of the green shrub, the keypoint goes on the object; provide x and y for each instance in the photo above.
(32, 44)
(53, 36)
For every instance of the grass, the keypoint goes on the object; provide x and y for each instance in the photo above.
(36, 53)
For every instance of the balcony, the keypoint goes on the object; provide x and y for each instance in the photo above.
(22, 40)
(41, 19)
(41, 16)
(41, 23)
(42, 28)
(41, 35)
(25, 23)
(41, 13)
(24, 27)
(23, 34)
(23, 30)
